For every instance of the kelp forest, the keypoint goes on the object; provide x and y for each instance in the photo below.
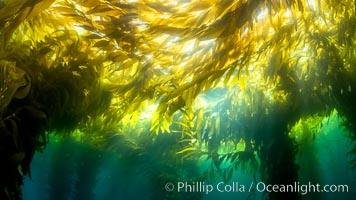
(177, 99)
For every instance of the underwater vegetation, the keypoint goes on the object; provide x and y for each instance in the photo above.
(245, 85)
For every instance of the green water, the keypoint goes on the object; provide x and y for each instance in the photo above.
(72, 170)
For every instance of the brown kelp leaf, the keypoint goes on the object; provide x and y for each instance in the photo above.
(93, 36)
(99, 9)
(105, 9)
(65, 10)
(23, 91)
(101, 43)
(87, 27)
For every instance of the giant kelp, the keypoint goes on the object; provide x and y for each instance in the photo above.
(279, 61)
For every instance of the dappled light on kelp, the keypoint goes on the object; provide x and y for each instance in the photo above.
(241, 84)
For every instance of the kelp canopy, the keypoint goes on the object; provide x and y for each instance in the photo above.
(103, 67)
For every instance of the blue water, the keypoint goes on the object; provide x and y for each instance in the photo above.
(105, 176)
(327, 161)
(72, 170)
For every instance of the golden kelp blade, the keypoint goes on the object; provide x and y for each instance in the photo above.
(170, 52)
(14, 83)
(14, 13)
(186, 150)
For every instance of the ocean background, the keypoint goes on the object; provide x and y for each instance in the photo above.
(68, 169)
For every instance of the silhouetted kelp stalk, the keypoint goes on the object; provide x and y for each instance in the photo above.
(56, 101)
(137, 153)
(62, 171)
(87, 167)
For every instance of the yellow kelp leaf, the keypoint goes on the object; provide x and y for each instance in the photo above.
(101, 43)
(92, 36)
(88, 3)
(186, 149)
(212, 32)
(199, 5)
(155, 124)
(104, 8)
(228, 75)
(202, 19)
(9, 9)
(242, 83)
(187, 97)
(188, 116)
(127, 64)
(207, 84)
(199, 122)
(165, 126)
(182, 124)
(185, 132)
(305, 69)
(65, 10)
(164, 89)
